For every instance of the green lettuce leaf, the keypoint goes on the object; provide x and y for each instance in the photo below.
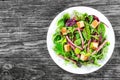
(77, 41)
(61, 21)
(86, 32)
(80, 16)
(101, 29)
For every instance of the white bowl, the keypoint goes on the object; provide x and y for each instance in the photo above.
(83, 69)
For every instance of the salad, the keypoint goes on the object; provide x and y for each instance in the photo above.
(80, 38)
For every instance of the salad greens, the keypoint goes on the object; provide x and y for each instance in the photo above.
(80, 39)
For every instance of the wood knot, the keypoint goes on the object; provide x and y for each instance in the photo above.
(7, 66)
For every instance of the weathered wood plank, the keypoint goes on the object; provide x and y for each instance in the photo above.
(29, 68)
(85, 2)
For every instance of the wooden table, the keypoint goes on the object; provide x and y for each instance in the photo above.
(23, 29)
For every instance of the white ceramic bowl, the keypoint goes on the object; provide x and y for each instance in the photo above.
(83, 69)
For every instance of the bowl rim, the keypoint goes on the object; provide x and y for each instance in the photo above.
(66, 65)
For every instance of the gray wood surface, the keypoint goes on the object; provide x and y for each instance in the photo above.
(23, 30)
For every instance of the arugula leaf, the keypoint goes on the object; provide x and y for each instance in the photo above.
(101, 29)
(77, 15)
(88, 32)
(100, 56)
(105, 49)
(84, 34)
(95, 60)
(73, 56)
(83, 16)
(95, 37)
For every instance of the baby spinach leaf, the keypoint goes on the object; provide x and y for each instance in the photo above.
(77, 41)
(77, 35)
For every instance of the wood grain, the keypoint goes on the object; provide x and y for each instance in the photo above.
(23, 30)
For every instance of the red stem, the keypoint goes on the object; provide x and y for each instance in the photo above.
(73, 43)
(68, 59)
(100, 47)
(81, 37)
(71, 46)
